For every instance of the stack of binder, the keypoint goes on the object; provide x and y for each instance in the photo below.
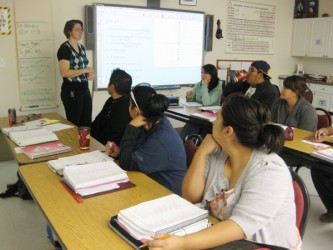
(170, 214)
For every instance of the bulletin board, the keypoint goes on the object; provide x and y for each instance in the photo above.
(227, 68)
(34, 42)
(250, 28)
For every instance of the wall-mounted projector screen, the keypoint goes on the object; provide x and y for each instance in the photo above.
(157, 46)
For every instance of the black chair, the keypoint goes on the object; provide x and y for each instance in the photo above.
(191, 144)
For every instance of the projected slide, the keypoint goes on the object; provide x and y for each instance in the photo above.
(161, 47)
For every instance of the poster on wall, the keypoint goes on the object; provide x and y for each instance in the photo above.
(5, 24)
(306, 8)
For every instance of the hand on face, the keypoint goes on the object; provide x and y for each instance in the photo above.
(139, 121)
(208, 145)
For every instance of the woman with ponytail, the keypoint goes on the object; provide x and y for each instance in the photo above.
(150, 144)
(237, 175)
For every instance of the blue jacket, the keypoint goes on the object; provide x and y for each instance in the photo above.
(159, 153)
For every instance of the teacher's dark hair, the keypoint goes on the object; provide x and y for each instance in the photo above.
(212, 71)
(151, 104)
(296, 84)
(122, 81)
(249, 119)
(69, 26)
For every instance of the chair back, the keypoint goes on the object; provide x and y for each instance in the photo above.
(302, 202)
(324, 118)
(308, 95)
(191, 145)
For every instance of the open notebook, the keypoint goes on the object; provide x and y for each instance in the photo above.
(170, 214)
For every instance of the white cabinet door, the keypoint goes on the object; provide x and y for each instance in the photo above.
(322, 101)
(329, 39)
(317, 37)
(301, 32)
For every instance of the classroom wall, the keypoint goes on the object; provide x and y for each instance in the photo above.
(62, 10)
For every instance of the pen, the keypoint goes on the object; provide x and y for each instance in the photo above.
(163, 237)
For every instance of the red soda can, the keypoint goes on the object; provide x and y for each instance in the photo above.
(12, 117)
(241, 75)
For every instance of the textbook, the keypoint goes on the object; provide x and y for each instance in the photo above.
(94, 178)
(31, 137)
(326, 154)
(6, 131)
(45, 149)
(210, 116)
(170, 214)
(86, 158)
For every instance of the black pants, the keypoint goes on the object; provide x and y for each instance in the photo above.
(323, 182)
(78, 106)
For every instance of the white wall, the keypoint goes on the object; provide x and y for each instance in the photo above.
(62, 10)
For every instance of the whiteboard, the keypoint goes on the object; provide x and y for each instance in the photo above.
(34, 42)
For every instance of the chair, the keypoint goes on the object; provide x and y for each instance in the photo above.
(308, 95)
(191, 144)
(302, 202)
(324, 118)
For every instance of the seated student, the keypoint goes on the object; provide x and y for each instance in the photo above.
(150, 144)
(111, 122)
(208, 91)
(322, 180)
(237, 175)
(292, 109)
(258, 78)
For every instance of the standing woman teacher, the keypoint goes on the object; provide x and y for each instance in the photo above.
(73, 65)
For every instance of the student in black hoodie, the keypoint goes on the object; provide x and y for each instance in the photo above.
(110, 123)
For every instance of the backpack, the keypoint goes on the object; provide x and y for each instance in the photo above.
(17, 189)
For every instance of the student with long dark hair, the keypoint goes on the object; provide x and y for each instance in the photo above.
(150, 144)
(209, 90)
(237, 175)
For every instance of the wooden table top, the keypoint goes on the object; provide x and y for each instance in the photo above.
(297, 144)
(68, 137)
(85, 225)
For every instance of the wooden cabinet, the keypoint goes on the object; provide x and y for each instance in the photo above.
(313, 37)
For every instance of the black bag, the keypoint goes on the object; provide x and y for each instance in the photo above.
(17, 189)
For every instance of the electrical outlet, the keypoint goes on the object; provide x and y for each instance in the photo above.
(2, 62)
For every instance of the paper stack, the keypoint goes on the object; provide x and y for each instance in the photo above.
(167, 215)
(31, 137)
(94, 178)
(210, 116)
(326, 154)
(81, 159)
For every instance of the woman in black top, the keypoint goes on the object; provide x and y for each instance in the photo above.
(73, 65)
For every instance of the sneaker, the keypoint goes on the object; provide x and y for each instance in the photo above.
(328, 217)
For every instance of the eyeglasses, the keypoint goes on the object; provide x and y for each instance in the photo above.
(78, 30)
(253, 70)
(136, 104)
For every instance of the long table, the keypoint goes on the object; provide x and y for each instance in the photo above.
(295, 149)
(85, 225)
(68, 137)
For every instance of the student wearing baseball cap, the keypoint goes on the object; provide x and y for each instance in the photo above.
(258, 78)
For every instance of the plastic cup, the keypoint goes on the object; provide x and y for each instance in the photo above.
(84, 137)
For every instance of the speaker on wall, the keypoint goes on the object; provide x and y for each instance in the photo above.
(209, 32)
(153, 3)
(89, 27)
